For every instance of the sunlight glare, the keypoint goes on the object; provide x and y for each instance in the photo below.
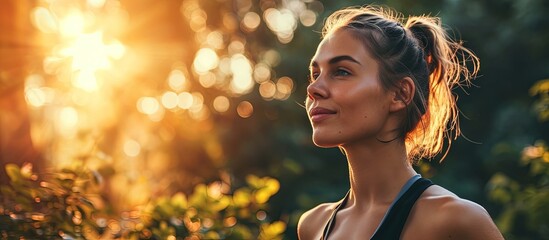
(282, 22)
(250, 22)
(206, 59)
(200, 114)
(188, 7)
(198, 102)
(177, 80)
(80, 98)
(35, 97)
(89, 54)
(243, 5)
(267, 90)
(207, 80)
(72, 25)
(184, 100)
(236, 47)
(132, 148)
(169, 100)
(198, 20)
(85, 80)
(67, 118)
(271, 57)
(148, 105)
(221, 104)
(96, 3)
(43, 19)
(225, 65)
(241, 68)
(262, 73)
(245, 109)
(35, 94)
(215, 39)
(307, 18)
(158, 115)
(285, 85)
(115, 49)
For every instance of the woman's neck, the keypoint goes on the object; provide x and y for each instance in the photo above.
(377, 173)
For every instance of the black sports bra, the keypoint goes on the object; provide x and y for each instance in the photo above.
(393, 222)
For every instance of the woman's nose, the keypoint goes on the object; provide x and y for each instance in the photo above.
(317, 90)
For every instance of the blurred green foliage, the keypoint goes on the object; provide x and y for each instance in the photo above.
(525, 199)
(541, 106)
(62, 205)
(48, 206)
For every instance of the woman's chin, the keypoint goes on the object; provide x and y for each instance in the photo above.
(324, 143)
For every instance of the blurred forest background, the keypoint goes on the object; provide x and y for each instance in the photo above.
(182, 118)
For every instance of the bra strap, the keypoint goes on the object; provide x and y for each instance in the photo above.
(331, 222)
(393, 223)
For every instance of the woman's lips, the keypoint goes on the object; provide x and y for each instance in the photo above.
(319, 114)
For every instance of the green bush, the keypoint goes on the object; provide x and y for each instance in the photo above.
(61, 205)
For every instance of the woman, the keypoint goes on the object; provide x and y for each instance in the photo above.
(381, 91)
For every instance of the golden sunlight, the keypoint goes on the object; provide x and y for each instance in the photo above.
(89, 54)
(177, 80)
(67, 120)
(241, 68)
(185, 100)
(72, 25)
(169, 100)
(221, 104)
(132, 148)
(44, 20)
(207, 79)
(267, 90)
(148, 105)
(282, 22)
(262, 73)
(251, 21)
(206, 59)
(245, 109)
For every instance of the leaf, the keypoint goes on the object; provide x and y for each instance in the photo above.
(240, 232)
(272, 185)
(540, 86)
(14, 172)
(273, 230)
(241, 198)
(262, 195)
(221, 204)
(179, 200)
(253, 181)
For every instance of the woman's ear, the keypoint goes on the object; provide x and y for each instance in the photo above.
(403, 94)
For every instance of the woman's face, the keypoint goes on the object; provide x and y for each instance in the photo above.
(346, 102)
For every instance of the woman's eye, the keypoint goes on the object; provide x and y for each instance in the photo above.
(313, 77)
(341, 72)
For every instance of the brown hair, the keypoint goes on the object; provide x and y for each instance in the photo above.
(420, 49)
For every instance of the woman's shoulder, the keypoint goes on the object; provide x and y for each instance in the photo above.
(312, 222)
(449, 216)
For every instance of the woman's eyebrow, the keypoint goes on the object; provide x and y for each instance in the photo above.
(337, 59)
(343, 58)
